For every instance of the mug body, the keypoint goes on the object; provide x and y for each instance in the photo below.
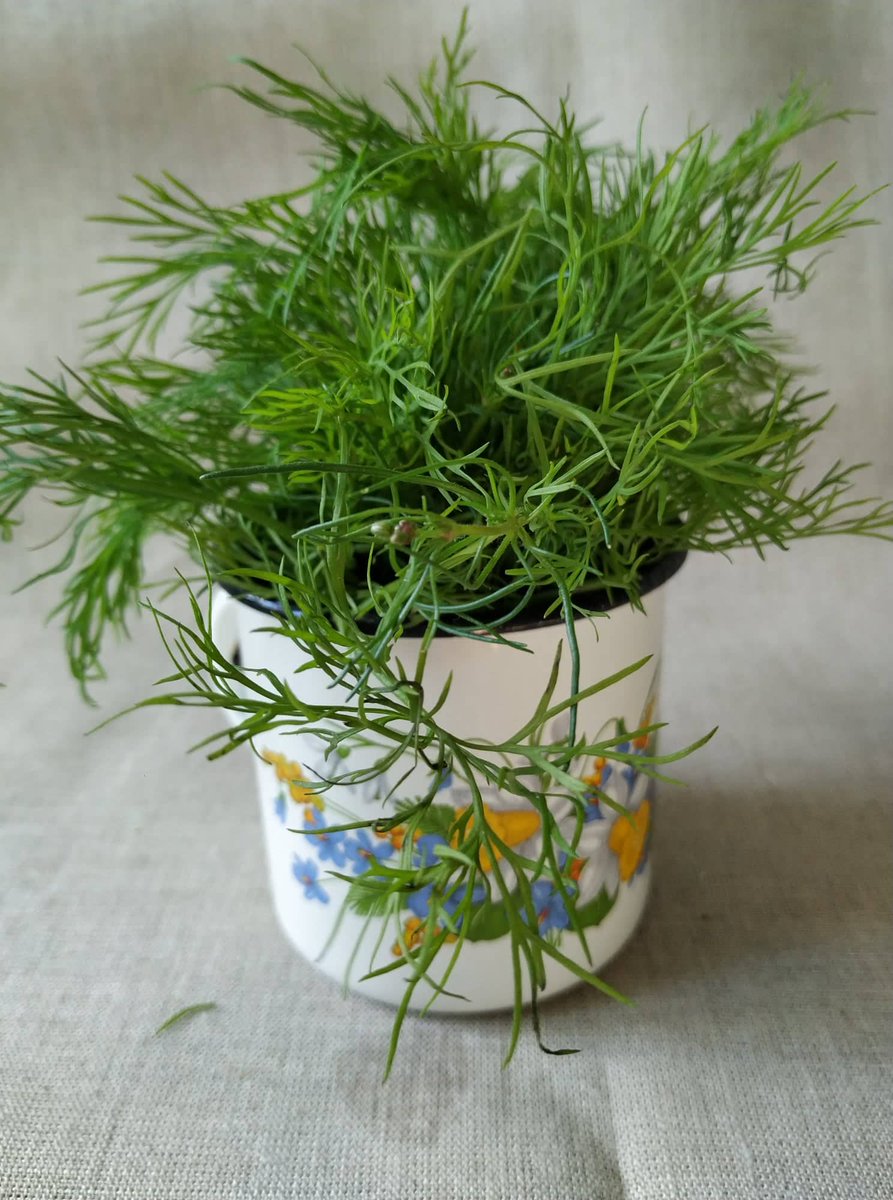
(493, 692)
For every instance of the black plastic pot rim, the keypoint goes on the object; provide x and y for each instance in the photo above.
(654, 576)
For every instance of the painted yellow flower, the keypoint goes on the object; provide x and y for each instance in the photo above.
(512, 826)
(595, 776)
(292, 774)
(396, 836)
(628, 840)
(413, 932)
(285, 770)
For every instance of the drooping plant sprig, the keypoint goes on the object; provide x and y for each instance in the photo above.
(400, 720)
(454, 379)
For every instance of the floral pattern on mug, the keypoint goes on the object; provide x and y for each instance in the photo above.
(611, 847)
(293, 776)
(629, 840)
(330, 847)
(306, 872)
(550, 905)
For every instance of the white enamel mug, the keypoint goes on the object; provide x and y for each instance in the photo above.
(494, 691)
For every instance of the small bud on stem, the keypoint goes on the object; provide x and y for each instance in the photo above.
(403, 533)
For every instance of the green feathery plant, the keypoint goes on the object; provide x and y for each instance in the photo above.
(454, 380)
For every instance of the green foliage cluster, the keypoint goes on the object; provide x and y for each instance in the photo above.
(456, 380)
(453, 378)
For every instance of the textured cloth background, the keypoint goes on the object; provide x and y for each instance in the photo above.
(756, 1062)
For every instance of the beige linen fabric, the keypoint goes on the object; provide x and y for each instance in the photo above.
(756, 1061)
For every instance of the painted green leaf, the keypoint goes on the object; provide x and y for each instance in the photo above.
(490, 921)
(595, 911)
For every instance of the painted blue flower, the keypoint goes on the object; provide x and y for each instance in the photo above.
(457, 900)
(426, 849)
(419, 902)
(279, 806)
(445, 781)
(593, 810)
(626, 771)
(551, 910)
(307, 874)
(630, 774)
(478, 896)
(364, 853)
(329, 846)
